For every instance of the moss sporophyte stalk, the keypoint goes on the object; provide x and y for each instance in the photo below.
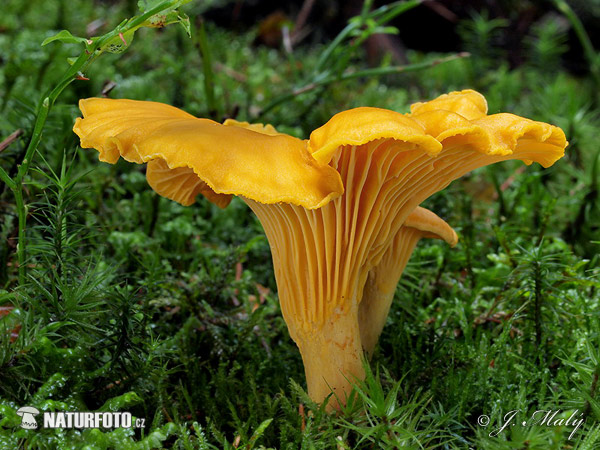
(340, 209)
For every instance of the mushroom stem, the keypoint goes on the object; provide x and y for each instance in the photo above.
(381, 284)
(333, 358)
(380, 289)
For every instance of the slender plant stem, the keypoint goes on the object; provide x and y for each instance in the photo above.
(582, 35)
(7, 179)
(207, 68)
(21, 244)
(10, 139)
(586, 408)
(380, 15)
(93, 49)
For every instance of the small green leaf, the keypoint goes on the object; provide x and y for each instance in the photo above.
(122, 402)
(119, 44)
(167, 18)
(53, 385)
(184, 21)
(259, 432)
(147, 5)
(64, 36)
(156, 437)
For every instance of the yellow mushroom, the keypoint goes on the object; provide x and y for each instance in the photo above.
(339, 209)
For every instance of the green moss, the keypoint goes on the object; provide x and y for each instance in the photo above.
(134, 303)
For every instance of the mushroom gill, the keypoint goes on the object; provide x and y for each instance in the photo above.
(339, 210)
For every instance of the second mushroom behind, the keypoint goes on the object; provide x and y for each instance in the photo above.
(383, 279)
(340, 210)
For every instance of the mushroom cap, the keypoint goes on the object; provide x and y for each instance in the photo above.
(454, 120)
(27, 410)
(188, 156)
(469, 104)
(361, 125)
(231, 159)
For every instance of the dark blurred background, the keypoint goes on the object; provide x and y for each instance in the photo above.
(433, 26)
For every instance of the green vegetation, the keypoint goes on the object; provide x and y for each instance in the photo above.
(116, 299)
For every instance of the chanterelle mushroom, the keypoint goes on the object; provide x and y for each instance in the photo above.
(334, 207)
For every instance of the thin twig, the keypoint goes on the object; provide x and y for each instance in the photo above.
(442, 11)
(107, 87)
(231, 73)
(287, 41)
(301, 20)
(10, 139)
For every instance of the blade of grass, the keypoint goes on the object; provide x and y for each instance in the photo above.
(379, 16)
(588, 48)
(207, 69)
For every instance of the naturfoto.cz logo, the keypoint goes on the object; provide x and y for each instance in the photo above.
(71, 419)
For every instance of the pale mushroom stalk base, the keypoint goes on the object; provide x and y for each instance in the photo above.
(332, 357)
